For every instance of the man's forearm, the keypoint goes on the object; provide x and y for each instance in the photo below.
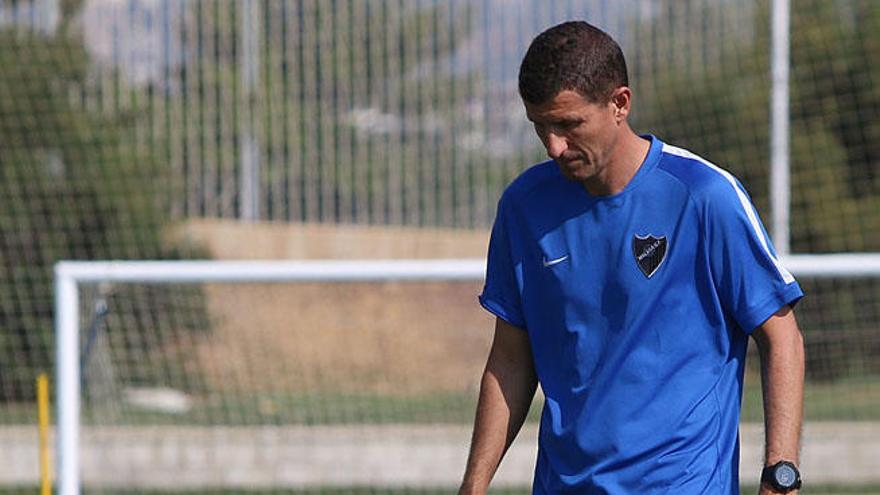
(499, 418)
(782, 378)
(506, 391)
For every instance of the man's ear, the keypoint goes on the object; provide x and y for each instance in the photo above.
(621, 99)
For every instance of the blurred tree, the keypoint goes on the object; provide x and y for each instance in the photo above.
(835, 129)
(73, 185)
(723, 115)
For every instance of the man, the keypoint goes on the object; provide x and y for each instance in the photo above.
(626, 276)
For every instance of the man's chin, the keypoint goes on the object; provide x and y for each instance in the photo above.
(576, 175)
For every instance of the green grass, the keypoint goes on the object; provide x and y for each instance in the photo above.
(854, 399)
(325, 409)
(318, 409)
(307, 409)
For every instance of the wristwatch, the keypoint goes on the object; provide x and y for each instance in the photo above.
(782, 476)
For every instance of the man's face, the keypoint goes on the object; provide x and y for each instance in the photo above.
(579, 135)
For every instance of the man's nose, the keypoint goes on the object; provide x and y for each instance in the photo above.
(556, 145)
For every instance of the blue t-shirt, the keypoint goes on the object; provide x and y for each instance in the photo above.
(638, 308)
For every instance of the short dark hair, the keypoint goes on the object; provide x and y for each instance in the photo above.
(574, 56)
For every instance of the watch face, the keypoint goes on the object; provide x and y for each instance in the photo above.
(785, 476)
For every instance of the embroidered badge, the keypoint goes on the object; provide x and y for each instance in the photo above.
(649, 252)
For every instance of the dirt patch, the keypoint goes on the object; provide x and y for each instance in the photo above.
(396, 338)
(226, 239)
(391, 338)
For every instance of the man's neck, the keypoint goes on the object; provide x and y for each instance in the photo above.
(626, 158)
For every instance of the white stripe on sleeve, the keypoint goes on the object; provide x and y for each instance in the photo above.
(744, 202)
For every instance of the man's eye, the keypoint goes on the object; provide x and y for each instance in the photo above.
(560, 127)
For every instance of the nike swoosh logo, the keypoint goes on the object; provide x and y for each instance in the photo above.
(554, 261)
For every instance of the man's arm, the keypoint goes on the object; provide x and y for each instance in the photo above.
(781, 348)
(506, 392)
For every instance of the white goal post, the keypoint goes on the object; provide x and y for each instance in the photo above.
(68, 274)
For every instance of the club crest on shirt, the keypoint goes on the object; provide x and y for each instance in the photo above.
(649, 251)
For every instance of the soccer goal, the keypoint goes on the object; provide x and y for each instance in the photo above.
(266, 375)
(282, 375)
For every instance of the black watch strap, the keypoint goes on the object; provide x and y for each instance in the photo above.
(782, 476)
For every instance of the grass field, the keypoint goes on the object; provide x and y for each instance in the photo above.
(854, 399)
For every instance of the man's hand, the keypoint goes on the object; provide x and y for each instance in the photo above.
(766, 490)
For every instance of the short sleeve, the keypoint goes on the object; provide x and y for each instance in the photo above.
(749, 279)
(501, 293)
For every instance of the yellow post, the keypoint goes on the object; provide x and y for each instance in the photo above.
(43, 412)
